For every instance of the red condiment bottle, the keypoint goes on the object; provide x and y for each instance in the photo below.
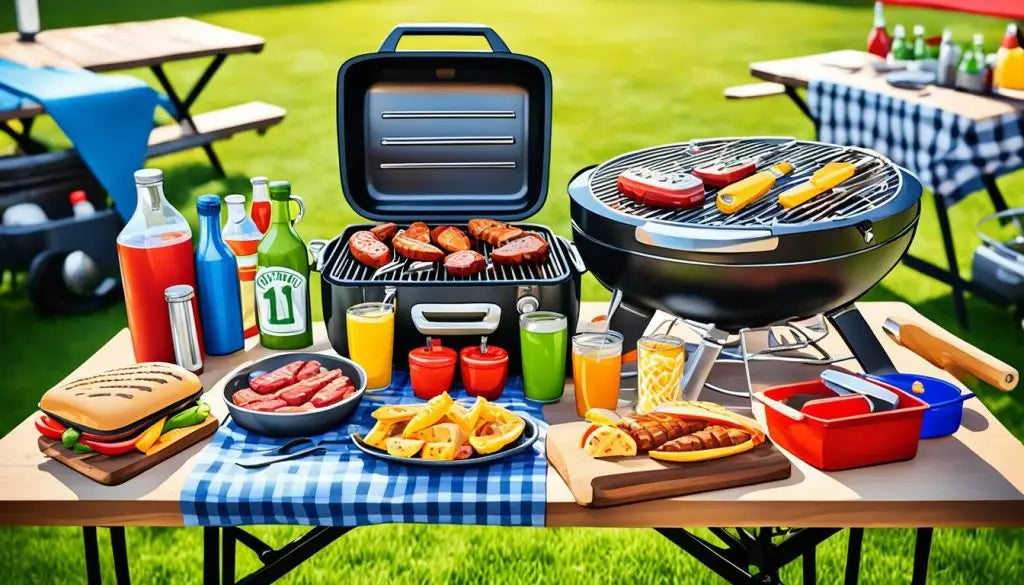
(155, 251)
(431, 369)
(878, 39)
(484, 369)
(259, 210)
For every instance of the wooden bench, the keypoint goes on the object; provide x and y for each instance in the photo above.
(753, 90)
(213, 126)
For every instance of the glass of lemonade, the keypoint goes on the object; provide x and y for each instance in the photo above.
(660, 363)
(371, 341)
(542, 337)
(596, 369)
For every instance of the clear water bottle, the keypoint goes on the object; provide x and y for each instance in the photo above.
(80, 205)
(24, 214)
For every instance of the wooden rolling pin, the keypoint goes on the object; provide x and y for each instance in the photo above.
(945, 350)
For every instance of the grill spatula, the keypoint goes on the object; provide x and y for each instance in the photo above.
(742, 193)
(822, 180)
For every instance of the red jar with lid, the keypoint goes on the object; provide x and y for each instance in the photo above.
(431, 369)
(484, 370)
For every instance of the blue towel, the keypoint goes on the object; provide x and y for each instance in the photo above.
(346, 487)
(106, 117)
(9, 101)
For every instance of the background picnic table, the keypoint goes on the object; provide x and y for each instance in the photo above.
(626, 76)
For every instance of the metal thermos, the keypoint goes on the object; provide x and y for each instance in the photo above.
(27, 12)
(949, 58)
(184, 335)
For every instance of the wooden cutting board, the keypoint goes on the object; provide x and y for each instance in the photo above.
(114, 470)
(600, 483)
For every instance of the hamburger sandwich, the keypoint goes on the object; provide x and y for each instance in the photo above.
(123, 409)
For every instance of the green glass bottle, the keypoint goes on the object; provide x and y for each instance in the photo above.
(921, 51)
(282, 277)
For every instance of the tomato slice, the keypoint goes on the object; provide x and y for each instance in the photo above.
(49, 428)
(118, 448)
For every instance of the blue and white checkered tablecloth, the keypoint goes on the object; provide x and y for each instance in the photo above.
(349, 488)
(948, 152)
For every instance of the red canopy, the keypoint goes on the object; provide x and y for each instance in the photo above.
(1012, 9)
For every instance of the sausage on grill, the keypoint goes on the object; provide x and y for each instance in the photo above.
(492, 231)
(385, 231)
(465, 263)
(450, 238)
(279, 378)
(415, 249)
(712, 437)
(368, 249)
(528, 249)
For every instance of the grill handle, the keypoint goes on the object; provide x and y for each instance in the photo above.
(456, 318)
(574, 255)
(713, 239)
(316, 249)
(390, 44)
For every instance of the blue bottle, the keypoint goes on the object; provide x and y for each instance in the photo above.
(220, 299)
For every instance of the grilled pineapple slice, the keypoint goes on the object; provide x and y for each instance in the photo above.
(442, 441)
(490, 437)
(397, 412)
(466, 418)
(429, 414)
(405, 448)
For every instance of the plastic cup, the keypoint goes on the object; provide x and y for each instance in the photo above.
(596, 370)
(542, 337)
(660, 363)
(371, 341)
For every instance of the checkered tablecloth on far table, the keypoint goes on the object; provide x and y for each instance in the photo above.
(348, 488)
(948, 152)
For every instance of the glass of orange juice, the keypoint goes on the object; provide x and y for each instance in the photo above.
(596, 367)
(660, 361)
(371, 341)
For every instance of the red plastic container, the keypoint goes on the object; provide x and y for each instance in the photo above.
(844, 442)
(431, 370)
(484, 372)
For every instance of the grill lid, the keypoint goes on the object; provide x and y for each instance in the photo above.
(444, 136)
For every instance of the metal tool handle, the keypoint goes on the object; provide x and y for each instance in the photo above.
(390, 44)
(316, 249)
(574, 255)
(694, 239)
(779, 407)
(456, 318)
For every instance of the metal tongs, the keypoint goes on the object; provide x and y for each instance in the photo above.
(881, 398)
(721, 163)
(412, 268)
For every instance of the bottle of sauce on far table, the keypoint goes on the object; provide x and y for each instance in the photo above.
(970, 74)
(901, 50)
(260, 209)
(878, 39)
(949, 57)
(282, 277)
(155, 251)
(1008, 72)
(242, 236)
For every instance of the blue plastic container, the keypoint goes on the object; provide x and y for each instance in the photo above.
(220, 297)
(945, 402)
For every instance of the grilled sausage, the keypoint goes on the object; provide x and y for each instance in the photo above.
(279, 378)
(465, 263)
(336, 391)
(368, 249)
(712, 437)
(529, 249)
(450, 238)
(493, 231)
(385, 231)
(418, 231)
(301, 392)
(266, 405)
(414, 249)
(309, 370)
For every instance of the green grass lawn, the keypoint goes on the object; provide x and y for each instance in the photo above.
(626, 75)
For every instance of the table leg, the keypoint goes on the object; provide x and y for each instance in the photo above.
(278, 563)
(712, 557)
(119, 550)
(922, 549)
(802, 105)
(182, 106)
(810, 567)
(25, 142)
(92, 556)
(853, 547)
(227, 561)
(211, 555)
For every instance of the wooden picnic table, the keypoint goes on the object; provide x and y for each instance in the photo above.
(973, 478)
(854, 69)
(151, 43)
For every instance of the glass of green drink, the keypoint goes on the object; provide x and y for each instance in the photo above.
(543, 336)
